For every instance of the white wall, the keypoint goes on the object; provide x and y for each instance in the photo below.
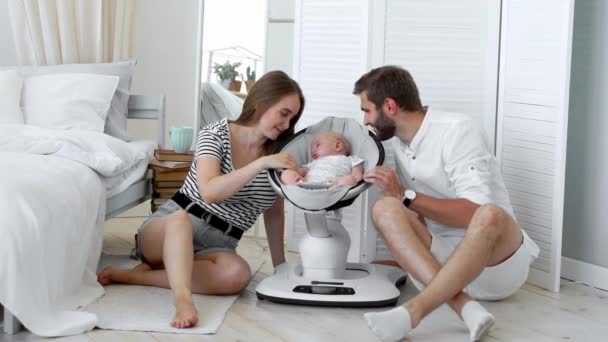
(585, 216)
(8, 55)
(279, 36)
(165, 48)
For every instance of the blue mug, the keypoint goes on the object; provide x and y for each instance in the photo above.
(181, 138)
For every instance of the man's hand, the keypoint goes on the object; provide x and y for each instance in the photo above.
(386, 179)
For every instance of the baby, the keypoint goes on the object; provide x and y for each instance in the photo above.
(331, 165)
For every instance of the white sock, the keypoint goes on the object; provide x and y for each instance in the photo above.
(477, 319)
(391, 325)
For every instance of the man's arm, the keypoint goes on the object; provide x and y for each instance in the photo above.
(274, 220)
(451, 212)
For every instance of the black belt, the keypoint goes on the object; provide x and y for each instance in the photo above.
(198, 211)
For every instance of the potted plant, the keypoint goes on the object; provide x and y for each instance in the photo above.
(227, 74)
(250, 78)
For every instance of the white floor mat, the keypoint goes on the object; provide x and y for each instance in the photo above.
(144, 308)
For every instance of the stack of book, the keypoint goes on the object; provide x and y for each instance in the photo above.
(169, 171)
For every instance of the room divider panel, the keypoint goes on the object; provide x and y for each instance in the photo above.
(505, 63)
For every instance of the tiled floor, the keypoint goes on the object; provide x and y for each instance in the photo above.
(577, 313)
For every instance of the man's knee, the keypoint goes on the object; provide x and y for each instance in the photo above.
(389, 213)
(490, 220)
(384, 209)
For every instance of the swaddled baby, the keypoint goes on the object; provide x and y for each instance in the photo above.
(331, 165)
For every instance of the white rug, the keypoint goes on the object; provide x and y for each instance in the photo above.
(144, 308)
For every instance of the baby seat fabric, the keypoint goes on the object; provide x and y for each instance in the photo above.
(364, 145)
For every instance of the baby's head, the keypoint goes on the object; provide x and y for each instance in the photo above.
(329, 143)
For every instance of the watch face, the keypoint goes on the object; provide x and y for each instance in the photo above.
(410, 194)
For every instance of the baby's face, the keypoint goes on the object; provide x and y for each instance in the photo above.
(322, 146)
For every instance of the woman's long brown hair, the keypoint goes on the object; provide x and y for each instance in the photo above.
(265, 93)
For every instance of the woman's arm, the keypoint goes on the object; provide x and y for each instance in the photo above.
(274, 220)
(215, 187)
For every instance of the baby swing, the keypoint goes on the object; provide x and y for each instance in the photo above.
(324, 277)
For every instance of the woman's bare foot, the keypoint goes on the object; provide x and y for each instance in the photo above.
(186, 315)
(112, 274)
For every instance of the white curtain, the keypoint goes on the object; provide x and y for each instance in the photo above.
(49, 32)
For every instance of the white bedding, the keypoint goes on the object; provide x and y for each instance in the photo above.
(122, 181)
(52, 208)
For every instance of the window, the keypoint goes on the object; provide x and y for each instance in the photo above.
(233, 31)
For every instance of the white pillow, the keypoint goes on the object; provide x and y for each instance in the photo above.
(10, 97)
(68, 101)
(116, 121)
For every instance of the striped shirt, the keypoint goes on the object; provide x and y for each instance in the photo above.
(243, 208)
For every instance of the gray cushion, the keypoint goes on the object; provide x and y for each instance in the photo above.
(218, 103)
(116, 121)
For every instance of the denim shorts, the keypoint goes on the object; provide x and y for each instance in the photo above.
(205, 238)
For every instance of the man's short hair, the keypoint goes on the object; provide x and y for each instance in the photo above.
(390, 81)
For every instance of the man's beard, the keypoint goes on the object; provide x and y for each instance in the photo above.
(383, 126)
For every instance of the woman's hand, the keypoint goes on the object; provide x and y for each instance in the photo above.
(281, 160)
(291, 177)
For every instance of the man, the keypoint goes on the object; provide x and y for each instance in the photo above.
(446, 215)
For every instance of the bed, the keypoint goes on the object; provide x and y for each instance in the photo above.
(58, 187)
(138, 190)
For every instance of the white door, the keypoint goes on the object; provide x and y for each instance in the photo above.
(536, 46)
(279, 35)
(451, 50)
(449, 47)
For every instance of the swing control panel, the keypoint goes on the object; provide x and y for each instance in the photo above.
(324, 288)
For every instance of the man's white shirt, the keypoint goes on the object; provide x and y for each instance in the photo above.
(448, 158)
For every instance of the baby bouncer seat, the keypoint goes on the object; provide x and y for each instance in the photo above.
(324, 277)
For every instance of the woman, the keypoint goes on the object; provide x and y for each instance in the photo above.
(188, 244)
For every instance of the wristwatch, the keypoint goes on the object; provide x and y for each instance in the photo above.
(408, 197)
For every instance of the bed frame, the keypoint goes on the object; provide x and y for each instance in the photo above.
(140, 107)
(146, 108)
